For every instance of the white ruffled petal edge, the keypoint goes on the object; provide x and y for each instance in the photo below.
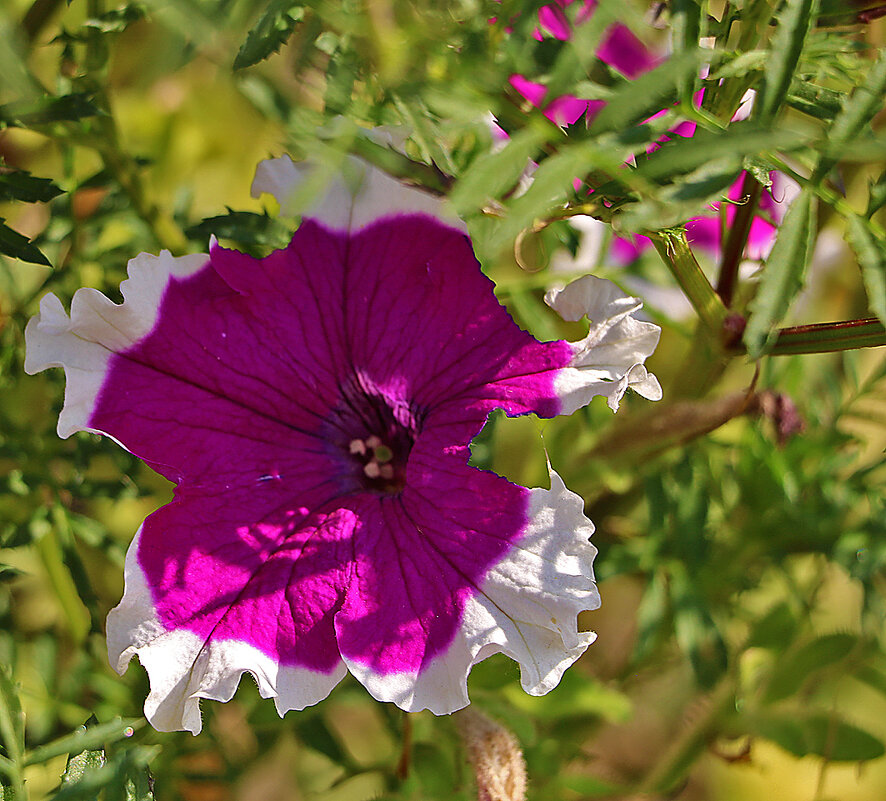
(609, 360)
(97, 328)
(183, 667)
(526, 608)
(347, 199)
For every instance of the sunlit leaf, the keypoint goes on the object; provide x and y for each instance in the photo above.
(794, 22)
(783, 273)
(823, 735)
(270, 32)
(791, 671)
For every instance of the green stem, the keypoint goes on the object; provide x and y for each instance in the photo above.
(674, 250)
(11, 766)
(829, 337)
(678, 759)
(738, 238)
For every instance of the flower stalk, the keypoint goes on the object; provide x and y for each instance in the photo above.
(738, 238)
(673, 247)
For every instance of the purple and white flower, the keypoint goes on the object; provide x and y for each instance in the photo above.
(315, 409)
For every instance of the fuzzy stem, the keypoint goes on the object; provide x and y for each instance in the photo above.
(674, 250)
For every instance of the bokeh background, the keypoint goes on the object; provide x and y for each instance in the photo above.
(740, 522)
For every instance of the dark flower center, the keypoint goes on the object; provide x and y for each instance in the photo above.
(371, 433)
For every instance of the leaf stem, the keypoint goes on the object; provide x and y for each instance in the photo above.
(738, 237)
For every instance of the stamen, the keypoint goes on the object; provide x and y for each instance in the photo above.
(373, 441)
(357, 446)
(372, 470)
(383, 453)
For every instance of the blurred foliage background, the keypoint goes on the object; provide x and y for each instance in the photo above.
(741, 521)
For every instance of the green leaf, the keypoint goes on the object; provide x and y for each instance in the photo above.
(816, 101)
(435, 770)
(577, 696)
(244, 227)
(872, 260)
(80, 764)
(85, 738)
(644, 96)
(115, 21)
(872, 677)
(49, 109)
(21, 185)
(12, 720)
(866, 101)
(793, 669)
(270, 32)
(493, 174)
(794, 22)
(696, 633)
(819, 734)
(774, 629)
(683, 155)
(12, 243)
(783, 274)
(876, 196)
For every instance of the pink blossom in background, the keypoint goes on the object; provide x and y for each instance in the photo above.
(704, 232)
(314, 410)
(620, 48)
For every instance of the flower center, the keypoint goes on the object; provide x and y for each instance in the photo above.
(371, 434)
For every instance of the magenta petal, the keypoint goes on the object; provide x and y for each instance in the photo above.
(624, 51)
(315, 409)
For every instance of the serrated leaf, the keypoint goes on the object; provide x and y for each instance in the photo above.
(871, 254)
(644, 96)
(273, 28)
(792, 670)
(819, 734)
(79, 764)
(783, 274)
(493, 174)
(682, 155)
(12, 243)
(864, 103)
(22, 186)
(245, 227)
(69, 108)
(794, 22)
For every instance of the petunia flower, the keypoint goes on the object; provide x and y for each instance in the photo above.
(314, 409)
